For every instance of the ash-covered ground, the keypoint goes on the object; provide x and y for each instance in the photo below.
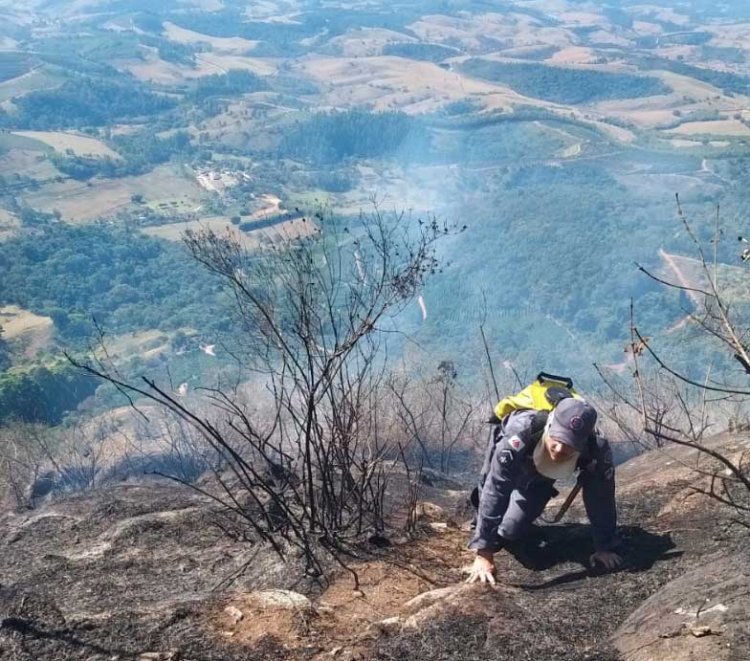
(144, 572)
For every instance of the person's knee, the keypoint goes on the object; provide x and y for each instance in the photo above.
(511, 530)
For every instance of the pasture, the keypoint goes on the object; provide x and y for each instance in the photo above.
(164, 189)
(21, 327)
(80, 145)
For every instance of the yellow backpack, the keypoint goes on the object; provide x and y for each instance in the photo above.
(541, 395)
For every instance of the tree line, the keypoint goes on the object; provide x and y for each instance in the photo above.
(126, 281)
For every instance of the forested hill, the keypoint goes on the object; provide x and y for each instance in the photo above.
(556, 138)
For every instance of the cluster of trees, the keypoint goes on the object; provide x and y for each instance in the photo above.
(724, 80)
(140, 152)
(43, 394)
(678, 39)
(126, 281)
(87, 101)
(327, 137)
(561, 85)
(232, 22)
(13, 65)
(4, 352)
(421, 51)
(233, 83)
(540, 236)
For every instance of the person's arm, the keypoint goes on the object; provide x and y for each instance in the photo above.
(598, 482)
(498, 485)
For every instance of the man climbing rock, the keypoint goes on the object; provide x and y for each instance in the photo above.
(523, 461)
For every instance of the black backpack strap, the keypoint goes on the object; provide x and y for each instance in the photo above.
(538, 423)
(563, 380)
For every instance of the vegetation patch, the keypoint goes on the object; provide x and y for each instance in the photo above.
(724, 80)
(564, 85)
(78, 145)
(43, 394)
(333, 136)
(232, 83)
(86, 102)
(13, 65)
(126, 281)
(421, 51)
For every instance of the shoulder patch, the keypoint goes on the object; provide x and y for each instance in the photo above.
(515, 442)
(506, 457)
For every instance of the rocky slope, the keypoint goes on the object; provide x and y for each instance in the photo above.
(143, 572)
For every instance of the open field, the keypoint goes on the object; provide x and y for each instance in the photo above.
(573, 55)
(9, 225)
(80, 145)
(145, 344)
(36, 79)
(733, 281)
(21, 142)
(417, 190)
(688, 96)
(681, 143)
(398, 83)
(367, 42)
(218, 44)
(175, 231)
(28, 162)
(31, 331)
(289, 229)
(731, 36)
(14, 64)
(470, 33)
(729, 127)
(154, 69)
(164, 189)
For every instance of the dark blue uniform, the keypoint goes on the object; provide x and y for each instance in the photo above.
(514, 494)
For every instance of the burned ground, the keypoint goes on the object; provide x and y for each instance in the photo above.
(142, 572)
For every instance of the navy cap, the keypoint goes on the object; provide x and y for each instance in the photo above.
(573, 421)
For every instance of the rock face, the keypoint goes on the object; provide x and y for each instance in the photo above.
(285, 600)
(123, 573)
(144, 572)
(704, 614)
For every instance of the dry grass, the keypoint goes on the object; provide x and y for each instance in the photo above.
(651, 12)
(574, 55)
(144, 344)
(82, 202)
(681, 143)
(583, 19)
(733, 281)
(647, 28)
(80, 145)
(394, 82)
(515, 30)
(33, 80)
(154, 69)
(30, 163)
(367, 42)
(293, 228)
(176, 231)
(32, 331)
(218, 44)
(9, 224)
(730, 36)
(688, 95)
(730, 127)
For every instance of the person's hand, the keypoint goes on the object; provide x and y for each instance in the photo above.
(609, 559)
(483, 569)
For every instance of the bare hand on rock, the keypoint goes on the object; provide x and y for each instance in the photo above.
(609, 559)
(483, 569)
